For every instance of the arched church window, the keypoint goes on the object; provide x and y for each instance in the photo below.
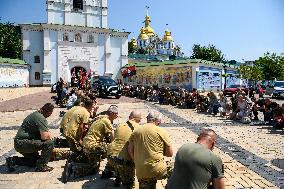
(78, 37)
(65, 37)
(77, 5)
(37, 76)
(90, 38)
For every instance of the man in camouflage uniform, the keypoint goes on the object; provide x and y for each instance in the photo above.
(32, 137)
(118, 156)
(148, 145)
(77, 125)
(95, 144)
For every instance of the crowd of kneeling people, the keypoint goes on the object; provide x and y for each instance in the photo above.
(241, 106)
(130, 148)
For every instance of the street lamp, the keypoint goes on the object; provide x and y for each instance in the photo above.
(225, 75)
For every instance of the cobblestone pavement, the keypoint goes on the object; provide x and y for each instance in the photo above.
(253, 155)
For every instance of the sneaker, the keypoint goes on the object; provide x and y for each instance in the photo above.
(66, 175)
(10, 164)
(44, 169)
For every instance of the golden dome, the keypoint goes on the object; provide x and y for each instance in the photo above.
(143, 34)
(133, 42)
(168, 36)
(148, 30)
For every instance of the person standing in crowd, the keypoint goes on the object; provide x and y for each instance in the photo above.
(34, 136)
(196, 166)
(118, 156)
(147, 147)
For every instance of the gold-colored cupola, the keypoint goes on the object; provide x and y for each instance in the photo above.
(143, 34)
(168, 36)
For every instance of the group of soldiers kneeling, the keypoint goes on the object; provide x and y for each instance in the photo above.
(130, 149)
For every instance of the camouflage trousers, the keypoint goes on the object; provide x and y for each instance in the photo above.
(30, 150)
(74, 145)
(59, 154)
(150, 183)
(124, 169)
(88, 162)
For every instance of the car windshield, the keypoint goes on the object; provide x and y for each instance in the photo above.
(234, 86)
(279, 84)
(107, 81)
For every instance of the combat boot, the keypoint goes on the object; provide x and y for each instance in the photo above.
(10, 163)
(43, 169)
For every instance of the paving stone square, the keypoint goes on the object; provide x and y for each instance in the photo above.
(252, 155)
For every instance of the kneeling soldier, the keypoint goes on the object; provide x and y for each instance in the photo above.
(118, 156)
(32, 137)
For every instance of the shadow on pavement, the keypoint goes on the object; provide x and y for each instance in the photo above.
(278, 163)
(18, 169)
(272, 130)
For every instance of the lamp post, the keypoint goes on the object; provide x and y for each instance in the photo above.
(225, 75)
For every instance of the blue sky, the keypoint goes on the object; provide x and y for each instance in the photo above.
(241, 29)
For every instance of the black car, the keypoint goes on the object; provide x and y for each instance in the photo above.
(105, 86)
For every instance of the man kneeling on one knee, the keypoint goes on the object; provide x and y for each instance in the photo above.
(33, 136)
(118, 157)
(148, 145)
(99, 136)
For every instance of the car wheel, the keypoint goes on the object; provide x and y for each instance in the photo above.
(117, 96)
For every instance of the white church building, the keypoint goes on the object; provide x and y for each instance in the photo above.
(75, 37)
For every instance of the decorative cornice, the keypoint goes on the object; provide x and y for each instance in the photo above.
(83, 29)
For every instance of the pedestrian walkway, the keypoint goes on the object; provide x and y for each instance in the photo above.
(251, 154)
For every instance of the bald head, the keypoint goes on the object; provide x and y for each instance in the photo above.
(208, 138)
(136, 116)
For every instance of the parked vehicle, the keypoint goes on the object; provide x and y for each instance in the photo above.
(232, 89)
(278, 89)
(105, 86)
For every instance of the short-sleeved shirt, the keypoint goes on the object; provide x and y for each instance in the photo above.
(79, 116)
(66, 118)
(149, 143)
(122, 134)
(32, 126)
(97, 133)
(195, 166)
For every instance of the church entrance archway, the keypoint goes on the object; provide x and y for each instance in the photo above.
(76, 73)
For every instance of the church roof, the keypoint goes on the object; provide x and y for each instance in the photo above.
(12, 61)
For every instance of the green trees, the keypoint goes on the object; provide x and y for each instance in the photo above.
(267, 67)
(10, 41)
(272, 66)
(131, 48)
(210, 53)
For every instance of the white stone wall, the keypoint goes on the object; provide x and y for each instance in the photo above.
(94, 13)
(13, 76)
(33, 46)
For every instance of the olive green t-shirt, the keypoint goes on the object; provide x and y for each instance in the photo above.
(120, 143)
(79, 116)
(149, 143)
(97, 133)
(32, 126)
(195, 167)
(66, 118)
